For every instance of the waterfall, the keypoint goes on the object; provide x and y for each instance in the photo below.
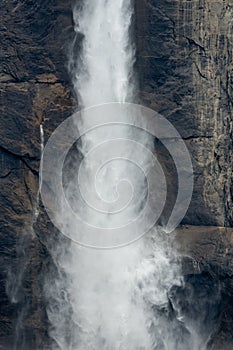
(122, 298)
(104, 73)
(37, 204)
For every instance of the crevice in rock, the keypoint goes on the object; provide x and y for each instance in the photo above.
(199, 72)
(187, 138)
(23, 159)
(8, 173)
(193, 42)
(35, 172)
(193, 137)
(34, 82)
(156, 8)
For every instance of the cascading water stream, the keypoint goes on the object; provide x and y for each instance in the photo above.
(105, 69)
(118, 298)
(37, 204)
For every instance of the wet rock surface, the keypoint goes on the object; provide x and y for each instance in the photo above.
(184, 59)
(34, 91)
(184, 64)
(207, 267)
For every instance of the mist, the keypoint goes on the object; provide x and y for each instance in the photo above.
(113, 291)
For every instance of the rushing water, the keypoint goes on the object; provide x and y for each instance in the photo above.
(117, 299)
(105, 69)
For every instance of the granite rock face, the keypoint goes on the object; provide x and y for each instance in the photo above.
(184, 66)
(207, 266)
(34, 92)
(184, 59)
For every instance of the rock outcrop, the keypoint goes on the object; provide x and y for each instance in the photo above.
(184, 65)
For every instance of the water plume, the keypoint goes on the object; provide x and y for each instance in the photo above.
(121, 298)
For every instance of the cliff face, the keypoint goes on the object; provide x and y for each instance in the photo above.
(185, 70)
(34, 91)
(184, 64)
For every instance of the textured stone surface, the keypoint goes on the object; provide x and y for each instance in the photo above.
(34, 90)
(208, 261)
(184, 64)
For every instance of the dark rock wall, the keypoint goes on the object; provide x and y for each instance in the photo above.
(34, 90)
(184, 65)
(184, 60)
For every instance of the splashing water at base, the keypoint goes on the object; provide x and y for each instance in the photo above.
(111, 299)
(115, 298)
